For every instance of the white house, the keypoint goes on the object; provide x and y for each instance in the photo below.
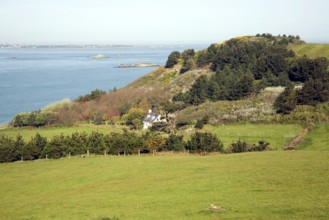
(151, 118)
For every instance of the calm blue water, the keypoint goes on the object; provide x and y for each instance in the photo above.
(37, 77)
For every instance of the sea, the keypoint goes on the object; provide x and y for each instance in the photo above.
(32, 78)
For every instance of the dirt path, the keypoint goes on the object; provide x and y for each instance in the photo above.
(294, 142)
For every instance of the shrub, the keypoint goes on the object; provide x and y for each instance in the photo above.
(262, 146)
(204, 142)
(174, 143)
(172, 59)
(239, 146)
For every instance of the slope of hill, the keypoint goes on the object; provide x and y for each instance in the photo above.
(235, 69)
(311, 50)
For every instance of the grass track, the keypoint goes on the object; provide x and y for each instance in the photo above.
(267, 185)
(317, 139)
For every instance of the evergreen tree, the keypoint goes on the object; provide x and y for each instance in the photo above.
(172, 59)
(286, 101)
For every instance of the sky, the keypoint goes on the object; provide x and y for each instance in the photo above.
(158, 21)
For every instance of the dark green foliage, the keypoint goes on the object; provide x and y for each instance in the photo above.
(56, 148)
(229, 84)
(286, 101)
(77, 143)
(35, 119)
(128, 143)
(34, 147)
(262, 146)
(172, 59)
(198, 92)
(314, 91)
(94, 95)
(188, 60)
(188, 64)
(10, 149)
(159, 126)
(204, 142)
(96, 143)
(239, 146)
(174, 143)
(305, 68)
(201, 122)
(259, 57)
(187, 54)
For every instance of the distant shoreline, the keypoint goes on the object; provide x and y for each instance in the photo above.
(137, 65)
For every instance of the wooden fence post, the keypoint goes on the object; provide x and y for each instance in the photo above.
(139, 153)
(87, 153)
(69, 155)
(46, 156)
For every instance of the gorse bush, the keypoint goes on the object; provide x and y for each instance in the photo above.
(241, 146)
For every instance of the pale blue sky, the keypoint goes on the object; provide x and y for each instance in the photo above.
(152, 21)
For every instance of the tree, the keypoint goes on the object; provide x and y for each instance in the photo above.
(174, 143)
(172, 59)
(187, 54)
(188, 64)
(95, 142)
(56, 148)
(7, 149)
(198, 92)
(286, 101)
(155, 142)
(204, 142)
(134, 113)
(314, 91)
(137, 123)
(34, 147)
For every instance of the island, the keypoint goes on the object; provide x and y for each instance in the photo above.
(99, 56)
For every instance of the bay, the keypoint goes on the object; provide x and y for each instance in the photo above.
(31, 78)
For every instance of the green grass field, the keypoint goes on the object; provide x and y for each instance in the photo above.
(266, 185)
(258, 185)
(317, 139)
(312, 50)
(49, 132)
(276, 134)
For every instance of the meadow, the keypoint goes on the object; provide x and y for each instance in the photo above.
(270, 185)
(263, 185)
(49, 132)
(278, 135)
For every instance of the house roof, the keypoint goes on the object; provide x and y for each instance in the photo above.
(150, 117)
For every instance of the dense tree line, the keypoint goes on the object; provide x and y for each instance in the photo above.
(14, 149)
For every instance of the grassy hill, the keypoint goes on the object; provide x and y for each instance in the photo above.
(311, 50)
